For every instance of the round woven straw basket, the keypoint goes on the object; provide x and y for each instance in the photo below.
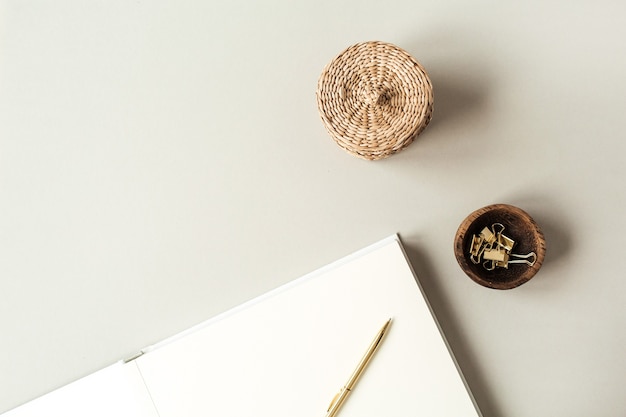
(374, 99)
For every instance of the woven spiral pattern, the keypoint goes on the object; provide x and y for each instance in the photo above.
(374, 99)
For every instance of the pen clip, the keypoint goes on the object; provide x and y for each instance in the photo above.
(334, 400)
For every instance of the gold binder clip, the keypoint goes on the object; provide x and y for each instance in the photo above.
(496, 255)
(524, 259)
(505, 242)
(495, 226)
(489, 265)
(495, 248)
(476, 249)
(487, 235)
(504, 265)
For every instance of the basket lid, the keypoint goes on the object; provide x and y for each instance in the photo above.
(374, 99)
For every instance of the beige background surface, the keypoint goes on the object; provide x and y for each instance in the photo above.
(163, 161)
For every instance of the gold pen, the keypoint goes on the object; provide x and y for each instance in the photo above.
(341, 396)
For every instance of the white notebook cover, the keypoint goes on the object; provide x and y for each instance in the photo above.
(288, 352)
(117, 390)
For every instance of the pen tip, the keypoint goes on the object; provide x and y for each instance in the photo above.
(387, 324)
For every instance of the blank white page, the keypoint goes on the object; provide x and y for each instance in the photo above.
(115, 391)
(287, 353)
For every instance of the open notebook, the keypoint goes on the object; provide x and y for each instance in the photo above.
(287, 353)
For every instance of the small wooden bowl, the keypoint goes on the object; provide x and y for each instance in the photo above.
(519, 226)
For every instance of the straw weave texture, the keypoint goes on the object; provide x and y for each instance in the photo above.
(374, 99)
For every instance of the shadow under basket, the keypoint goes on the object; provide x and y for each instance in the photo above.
(515, 224)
